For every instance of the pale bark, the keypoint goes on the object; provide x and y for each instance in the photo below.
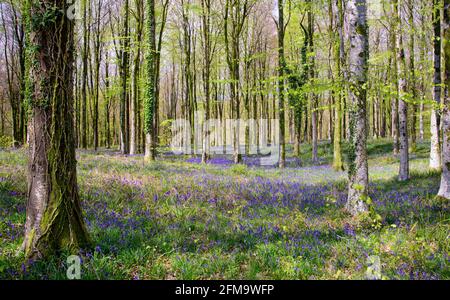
(358, 63)
(412, 76)
(423, 46)
(421, 122)
(394, 104)
(206, 23)
(402, 106)
(134, 104)
(435, 152)
(444, 190)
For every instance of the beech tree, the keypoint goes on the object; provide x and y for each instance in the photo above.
(445, 180)
(358, 64)
(150, 99)
(281, 25)
(84, 55)
(54, 218)
(208, 50)
(312, 70)
(394, 74)
(124, 73)
(339, 57)
(402, 105)
(139, 66)
(235, 15)
(435, 152)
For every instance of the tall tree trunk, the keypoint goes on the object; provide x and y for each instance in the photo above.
(412, 65)
(124, 70)
(206, 23)
(54, 219)
(358, 65)
(188, 75)
(444, 190)
(435, 153)
(281, 68)
(402, 105)
(394, 76)
(236, 13)
(423, 74)
(97, 62)
(84, 76)
(77, 102)
(14, 100)
(19, 34)
(339, 57)
(296, 95)
(108, 100)
(149, 103)
(136, 73)
(159, 35)
(313, 97)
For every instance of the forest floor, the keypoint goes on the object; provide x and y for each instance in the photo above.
(178, 219)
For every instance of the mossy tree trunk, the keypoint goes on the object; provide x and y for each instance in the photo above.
(159, 34)
(297, 97)
(358, 65)
(135, 92)
(339, 58)
(124, 74)
(281, 88)
(54, 218)
(150, 98)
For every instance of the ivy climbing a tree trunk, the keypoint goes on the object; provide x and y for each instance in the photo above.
(149, 103)
(54, 218)
(339, 60)
(358, 64)
(281, 25)
(124, 74)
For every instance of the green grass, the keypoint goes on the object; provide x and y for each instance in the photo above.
(176, 220)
